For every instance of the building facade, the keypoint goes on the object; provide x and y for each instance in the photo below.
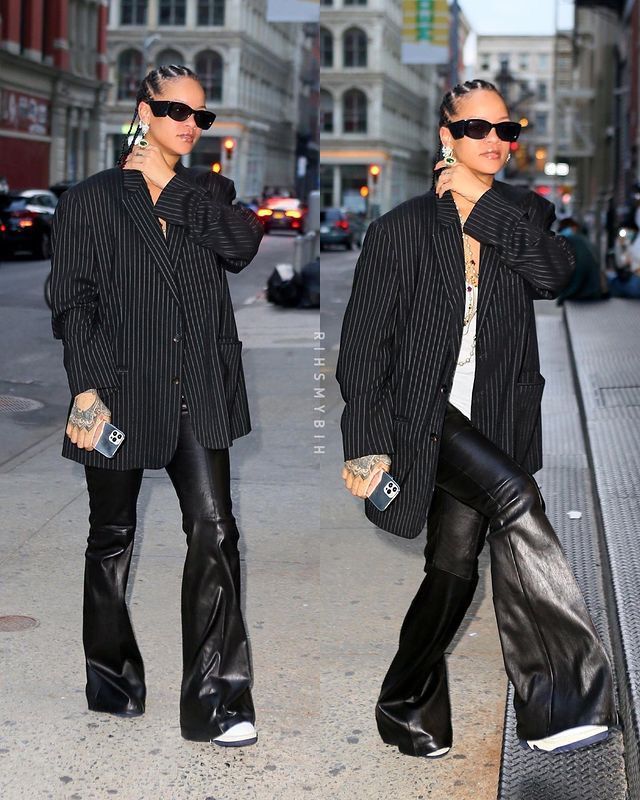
(525, 70)
(250, 68)
(52, 90)
(374, 110)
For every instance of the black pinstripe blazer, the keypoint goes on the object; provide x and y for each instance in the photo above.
(145, 319)
(402, 330)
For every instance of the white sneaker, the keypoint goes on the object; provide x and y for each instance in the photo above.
(570, 739)
(237, 736)
(437, 753)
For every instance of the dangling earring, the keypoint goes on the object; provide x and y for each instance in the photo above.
(144, 127)
(508, 157)
(447, 154)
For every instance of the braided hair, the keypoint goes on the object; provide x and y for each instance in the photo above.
(449, 107)
(151, 86)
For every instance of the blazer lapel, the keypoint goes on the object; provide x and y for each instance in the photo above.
(137, 202)
(447, 239)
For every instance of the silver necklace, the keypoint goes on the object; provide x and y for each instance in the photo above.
(471, 294)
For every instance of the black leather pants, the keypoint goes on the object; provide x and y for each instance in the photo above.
(217, 673)
(552, 654)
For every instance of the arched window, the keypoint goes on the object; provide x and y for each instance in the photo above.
(211, 12)
(169, 57)
(326, 48)
(129, 74)
(354, 48)
(133, 12)
(209, 69)
(354, 111)
(326, 112)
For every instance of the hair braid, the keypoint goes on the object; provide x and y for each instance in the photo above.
(449, 107)
(151, 86)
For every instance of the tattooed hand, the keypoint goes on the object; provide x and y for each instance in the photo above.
(361, 475)
(85, 420)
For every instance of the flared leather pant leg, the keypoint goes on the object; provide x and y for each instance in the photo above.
(115, 672)
(413, 710)
(217, 674)
(552, 653)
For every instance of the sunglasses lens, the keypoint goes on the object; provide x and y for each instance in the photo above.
(477, 128)
(204, 119)
(179, 111)
(508, 131)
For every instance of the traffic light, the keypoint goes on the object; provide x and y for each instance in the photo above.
(374, 171)
(229, 145)
(216, 166)
(364, 191)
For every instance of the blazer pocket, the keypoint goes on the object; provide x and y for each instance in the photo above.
(230, 350)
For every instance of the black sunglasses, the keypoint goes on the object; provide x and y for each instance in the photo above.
(479, 129)
(181, 111)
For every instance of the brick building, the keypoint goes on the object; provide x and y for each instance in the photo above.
(53, 74)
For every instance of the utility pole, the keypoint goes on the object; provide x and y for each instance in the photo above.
(454, 43)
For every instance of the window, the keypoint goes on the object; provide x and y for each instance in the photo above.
(503, 60)
(354, 48)
(355, 2)
(523, 60)
(354, 111)
(172, 12)
(209, 69)
(169, 57)
(326, 48)
(540, 122)
(485, 61)
(129, 74)
(211, 12)
(543, 60)
(326, 2)
(133, 12)
(326, 112)
(542, 91)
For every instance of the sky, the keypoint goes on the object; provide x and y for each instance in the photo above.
(514, 17)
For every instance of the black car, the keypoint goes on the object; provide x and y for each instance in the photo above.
(335, 228)
(25, 221)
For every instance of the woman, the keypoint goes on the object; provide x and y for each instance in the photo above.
(443, 389)
(141, 301)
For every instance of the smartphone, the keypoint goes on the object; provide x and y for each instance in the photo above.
(110, 440)
(384, 492)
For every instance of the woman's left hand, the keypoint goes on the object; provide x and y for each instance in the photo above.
(458, 178)
(150, 161)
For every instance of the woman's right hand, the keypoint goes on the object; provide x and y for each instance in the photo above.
(360, 473)
(86, 417)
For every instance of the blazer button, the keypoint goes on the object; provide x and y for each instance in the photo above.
(175, 380)
(177, 337)
(443, 388)
(434, 437)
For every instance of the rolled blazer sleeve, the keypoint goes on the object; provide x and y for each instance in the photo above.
(365, 359)
(208, 216)
(524, 241)
(75, 307)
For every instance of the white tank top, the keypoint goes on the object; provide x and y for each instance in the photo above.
(462, 387)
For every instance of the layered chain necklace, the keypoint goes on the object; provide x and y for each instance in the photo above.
(471, 272)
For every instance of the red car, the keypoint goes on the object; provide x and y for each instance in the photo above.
(282, 213)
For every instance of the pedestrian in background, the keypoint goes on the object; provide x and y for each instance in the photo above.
(586, 281)
(141, 302)
(443, 390)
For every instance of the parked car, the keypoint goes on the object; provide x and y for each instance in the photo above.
(25, 221)
(339, 228)
(282, 213)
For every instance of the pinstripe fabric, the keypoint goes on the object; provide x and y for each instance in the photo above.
(144, 318)
(403, 325)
